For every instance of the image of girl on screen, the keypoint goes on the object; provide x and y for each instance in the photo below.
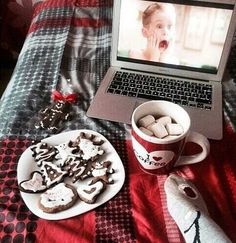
(158, 28)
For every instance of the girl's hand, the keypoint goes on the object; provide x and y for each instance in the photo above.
(152, 51)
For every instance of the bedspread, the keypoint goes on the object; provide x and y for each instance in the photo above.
(72, 40)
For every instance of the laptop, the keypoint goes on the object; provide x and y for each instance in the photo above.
(168, 50)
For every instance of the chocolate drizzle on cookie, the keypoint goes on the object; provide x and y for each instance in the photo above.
(52, 173)
(34, 184)
(79, 159)
(42, 152)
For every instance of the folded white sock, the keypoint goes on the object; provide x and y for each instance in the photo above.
(188, 209)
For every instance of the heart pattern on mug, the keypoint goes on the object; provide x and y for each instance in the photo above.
(154, 159)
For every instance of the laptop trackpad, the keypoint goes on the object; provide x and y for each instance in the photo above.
(127, 112)
(123, 111)
(113, 109)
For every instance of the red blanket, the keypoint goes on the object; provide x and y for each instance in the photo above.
(138, 213)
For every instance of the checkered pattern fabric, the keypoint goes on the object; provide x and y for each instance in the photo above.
(59, 46)
(36, 72)
(114, 221)
(15, 217)
(59, 43)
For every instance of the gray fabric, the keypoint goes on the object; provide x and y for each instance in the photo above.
(81, 54)
(47, 54)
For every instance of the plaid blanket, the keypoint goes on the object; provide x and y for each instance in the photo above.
(71, 40)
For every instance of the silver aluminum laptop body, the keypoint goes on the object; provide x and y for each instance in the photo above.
(218, 31)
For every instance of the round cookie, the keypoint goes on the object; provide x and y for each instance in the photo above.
(58, 198)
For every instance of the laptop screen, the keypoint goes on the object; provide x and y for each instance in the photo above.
(185, 35)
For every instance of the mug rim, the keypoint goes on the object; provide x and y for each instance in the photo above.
(153, 139)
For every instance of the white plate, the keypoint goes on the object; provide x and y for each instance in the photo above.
(26, 165)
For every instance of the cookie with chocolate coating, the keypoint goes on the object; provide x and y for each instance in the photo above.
(35, 184)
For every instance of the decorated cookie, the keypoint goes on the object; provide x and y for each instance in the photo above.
(90, 193)
(75, 168)
(34, 184)
(58, 198)
(66, 152)
(53, 116)
(52, 174)
(42, 152)
(89, 147)
(101, 171)
(92, 137)
(87, 171)
(79, 159)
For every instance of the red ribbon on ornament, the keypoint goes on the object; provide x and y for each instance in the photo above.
(71, 98)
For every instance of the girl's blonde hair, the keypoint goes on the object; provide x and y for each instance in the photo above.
(151, 9)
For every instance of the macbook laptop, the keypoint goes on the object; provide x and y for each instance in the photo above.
(168, 50)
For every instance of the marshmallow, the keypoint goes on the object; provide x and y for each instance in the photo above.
(174, 129)
(164, 120)
(146, 120)
(149, 126)
(146, 131)
(159, 130)
(171, 136)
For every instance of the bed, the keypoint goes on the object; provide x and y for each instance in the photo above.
(68, 43)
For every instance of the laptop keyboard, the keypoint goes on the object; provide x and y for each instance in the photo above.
(158, 88)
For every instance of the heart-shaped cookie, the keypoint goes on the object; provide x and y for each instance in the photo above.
(89, 193)
(34, 184)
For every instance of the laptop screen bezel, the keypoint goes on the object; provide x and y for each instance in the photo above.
(171, 69)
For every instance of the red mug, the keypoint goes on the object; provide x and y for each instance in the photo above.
(160, 156)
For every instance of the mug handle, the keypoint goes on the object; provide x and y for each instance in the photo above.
(199, 139)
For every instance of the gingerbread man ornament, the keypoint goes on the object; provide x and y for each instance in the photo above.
(52, 117)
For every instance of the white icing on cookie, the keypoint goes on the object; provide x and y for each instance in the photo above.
(89, 149)
(52, 173)
(42, 152)
(77, 168)
(99, 172)
(34, 184)
(89, 192)
(57, 196)
(65, 153)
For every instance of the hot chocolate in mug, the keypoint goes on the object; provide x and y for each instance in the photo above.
(160, 155)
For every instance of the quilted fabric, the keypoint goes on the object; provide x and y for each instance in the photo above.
(72, 40)
(47, 53)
